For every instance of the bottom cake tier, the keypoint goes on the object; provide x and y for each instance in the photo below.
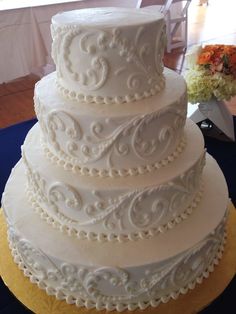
(118, 276)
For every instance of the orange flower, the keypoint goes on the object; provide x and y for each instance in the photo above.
(204, 57)
(218, 58)
(232, 59)
(229, 49)
(211, 48)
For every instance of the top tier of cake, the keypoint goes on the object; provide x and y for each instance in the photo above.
(108, 55)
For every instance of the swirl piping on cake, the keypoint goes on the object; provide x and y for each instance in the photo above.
(111, 142)
(23, 254)
(95, 48)
(112, 237)
(68, 164)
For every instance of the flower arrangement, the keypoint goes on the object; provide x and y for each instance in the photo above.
(211, 73)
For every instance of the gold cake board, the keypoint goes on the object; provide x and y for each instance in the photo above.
(195, 300)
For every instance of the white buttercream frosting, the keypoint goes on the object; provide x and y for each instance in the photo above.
(113, 275)
(112, 160)
(120, 140)
(105, 60)
(105, 17)
(121, 208)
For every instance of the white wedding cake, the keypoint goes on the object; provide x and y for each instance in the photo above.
(114, 204)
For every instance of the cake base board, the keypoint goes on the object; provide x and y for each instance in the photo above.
(195, 300)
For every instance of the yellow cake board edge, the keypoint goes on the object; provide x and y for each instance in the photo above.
(195, 300)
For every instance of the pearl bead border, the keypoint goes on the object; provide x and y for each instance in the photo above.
(80, 97)
(112, 237)
(69, 164)
(119, 307)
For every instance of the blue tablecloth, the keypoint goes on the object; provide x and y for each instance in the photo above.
(11, 140)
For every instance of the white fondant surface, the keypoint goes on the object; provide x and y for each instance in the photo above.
(113, 162)
(122, 275)
(105, 17)
(172, 94)
(193, 152)
(57, 245)
(101, 139)
(116, 207)
(105, 60)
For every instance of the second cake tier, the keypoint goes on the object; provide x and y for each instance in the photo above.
(116, 139)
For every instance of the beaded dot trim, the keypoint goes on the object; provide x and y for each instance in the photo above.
(70, 164)
(112, 237)
(72, 95)
(111, 306)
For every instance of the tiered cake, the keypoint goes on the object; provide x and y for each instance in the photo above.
(115, 204)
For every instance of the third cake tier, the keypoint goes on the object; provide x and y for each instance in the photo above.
(118, 208)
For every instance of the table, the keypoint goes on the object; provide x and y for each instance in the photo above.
(215, 111)
(11, 139)
(25, 33)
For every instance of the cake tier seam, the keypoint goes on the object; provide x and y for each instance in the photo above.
(72, 95)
